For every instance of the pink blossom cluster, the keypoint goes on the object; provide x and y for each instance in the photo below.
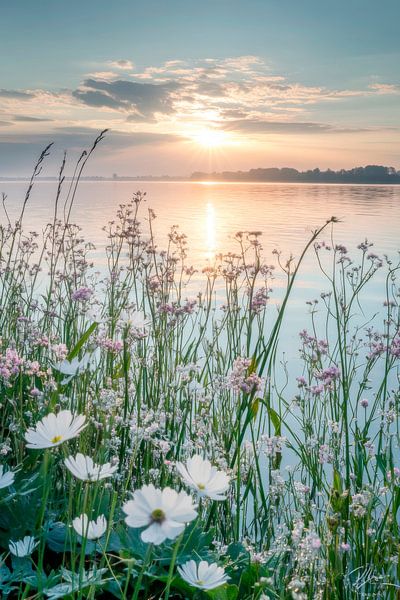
(396, 476)
(176, 310)
(377, 345)
(318, 347)
(328, 376)
(60, 351)
(260, 299)
(113, 346)
(82, 294)
(395, 346)
(10, 363)
(241, 380)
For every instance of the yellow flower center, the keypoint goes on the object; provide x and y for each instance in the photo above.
(201, 486)
(199, 582)
(158, 515)
(56, 438)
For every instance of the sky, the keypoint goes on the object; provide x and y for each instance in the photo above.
(187, 86)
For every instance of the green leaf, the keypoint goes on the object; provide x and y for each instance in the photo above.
(254, 407)
(337, 482)
(253, 365)
(275, 420)
(225, 592)
(130, 540)
(382, 463)
(75, 350)
(236, 550)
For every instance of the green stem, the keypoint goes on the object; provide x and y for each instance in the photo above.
(172, 566)
(144, 565)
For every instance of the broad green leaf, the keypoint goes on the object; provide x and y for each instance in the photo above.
(75, 350)
(225, 592)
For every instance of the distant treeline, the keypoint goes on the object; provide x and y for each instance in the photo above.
(368, 174)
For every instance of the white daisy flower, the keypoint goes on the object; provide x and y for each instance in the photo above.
(54, 429)
(203, 575)
(92, 530)
(70, 368)
(23, 547)
(164, 513)
(135, 320)
(201, 476)
(83, 468)
(6, 477)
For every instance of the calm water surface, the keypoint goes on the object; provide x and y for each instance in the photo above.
(210, 215)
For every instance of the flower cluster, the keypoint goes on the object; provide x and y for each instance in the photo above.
(241, 380)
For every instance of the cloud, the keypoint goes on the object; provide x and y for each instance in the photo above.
(98, 99)
(385, 88)
(144, 98)
(28, 119)
(83, 137)
(124, 65)
(239, 94)
(16, 95)
(5, 123)
(258, 126)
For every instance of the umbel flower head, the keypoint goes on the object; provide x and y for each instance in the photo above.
(54, 429)
(83, 468)
(203, 575)
(6, 477)
(201, 476)
(23, 547)
(91, 530)
(164, 513)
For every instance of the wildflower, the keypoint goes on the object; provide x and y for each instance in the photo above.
(260, 300)
(54, 429)
(272, 446)
(23, 547)
(345, 547)
(92, 530)
(240, 380)
(201, 476)
(60, 351)
(325, 454)
(204, 576)
(359, 504)
(6, 477)
(396, 473)
(136, 320)
(82, 294)
(364, 402)
(10, 364)
(83, 468)
(164, 513)
(70, 368)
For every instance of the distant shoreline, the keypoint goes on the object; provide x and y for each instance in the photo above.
(368, 175)
(200, 181)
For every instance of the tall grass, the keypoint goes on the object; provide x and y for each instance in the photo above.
(161, 375)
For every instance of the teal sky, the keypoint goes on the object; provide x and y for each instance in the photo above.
(258, 83)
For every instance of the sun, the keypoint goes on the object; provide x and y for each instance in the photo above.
(211, 138)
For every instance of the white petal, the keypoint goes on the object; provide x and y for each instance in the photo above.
(153, 534)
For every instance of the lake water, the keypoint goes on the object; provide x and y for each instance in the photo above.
(211, 213)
